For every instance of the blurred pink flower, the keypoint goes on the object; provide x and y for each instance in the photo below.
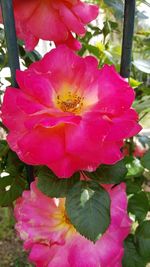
(53, 20)
(138, 151)
(68, 114)
(43, 225)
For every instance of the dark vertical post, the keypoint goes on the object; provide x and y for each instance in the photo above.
(11, 40)
(13, 57)
(128, 30)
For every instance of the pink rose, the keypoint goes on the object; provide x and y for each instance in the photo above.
(53, 20)
(43, 225)
(68, 114)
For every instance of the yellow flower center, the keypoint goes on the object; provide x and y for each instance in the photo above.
(69, 102)
(62, 222)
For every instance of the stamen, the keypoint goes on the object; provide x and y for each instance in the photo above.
(70, 103)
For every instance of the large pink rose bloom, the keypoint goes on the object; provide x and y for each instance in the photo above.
(44, 227)
(69, 115)
(53, 20)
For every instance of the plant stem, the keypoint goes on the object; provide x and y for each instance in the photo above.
(128, 30)
(13, 56)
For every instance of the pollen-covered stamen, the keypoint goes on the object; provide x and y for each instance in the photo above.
(70, 102)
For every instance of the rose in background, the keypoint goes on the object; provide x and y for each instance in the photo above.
(43, 225)
(68, 114)
(53, 20)
(138, 150)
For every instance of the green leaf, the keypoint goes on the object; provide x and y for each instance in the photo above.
(134, 83)
(52, 186)
(132, 188)
(5, 181)
(134, 167)
(93, 50)
(142, 236)
(109, 174)
(10, 189)
(146, 160)
(88, 208)
(139, 205)
(131, 257)
(13, 164)
(134, 185)
(3, 148)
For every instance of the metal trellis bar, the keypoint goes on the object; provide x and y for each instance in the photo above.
(128, 30)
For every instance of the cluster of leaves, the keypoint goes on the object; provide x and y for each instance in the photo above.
(137, 245)
(13, 176)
